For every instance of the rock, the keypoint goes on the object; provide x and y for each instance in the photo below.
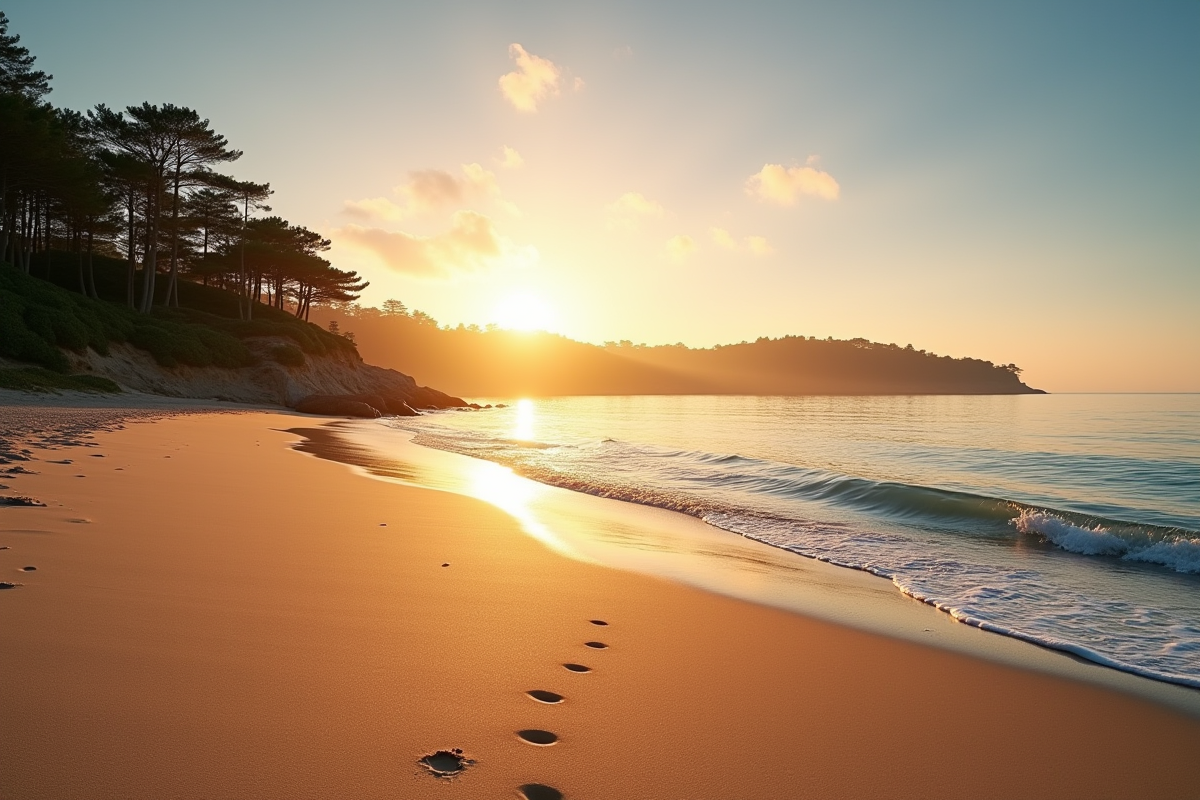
(336, 406)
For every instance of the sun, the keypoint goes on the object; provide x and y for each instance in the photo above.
(523, 311)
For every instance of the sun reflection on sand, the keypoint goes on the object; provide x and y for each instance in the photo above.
(524, 428)
(502, 488)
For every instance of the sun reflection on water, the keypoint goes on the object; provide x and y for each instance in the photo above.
(524, 427)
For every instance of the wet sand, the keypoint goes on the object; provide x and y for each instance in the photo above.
(216, 615)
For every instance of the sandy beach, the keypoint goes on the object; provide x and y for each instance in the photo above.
(215, 614)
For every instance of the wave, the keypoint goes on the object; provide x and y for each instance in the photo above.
(1163, 547)
(700, 473)
(957, 551)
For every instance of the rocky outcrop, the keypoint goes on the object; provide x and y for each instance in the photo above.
(337, 380)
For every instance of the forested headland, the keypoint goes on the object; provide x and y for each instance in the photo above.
(134, 214)
(492, 362)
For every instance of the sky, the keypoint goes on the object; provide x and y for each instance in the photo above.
(1018, 182)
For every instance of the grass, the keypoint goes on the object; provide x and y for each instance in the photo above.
(36, 379)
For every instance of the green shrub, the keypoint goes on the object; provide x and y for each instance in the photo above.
(288, 355)
(35, 379)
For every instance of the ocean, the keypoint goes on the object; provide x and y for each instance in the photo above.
(1071, 521)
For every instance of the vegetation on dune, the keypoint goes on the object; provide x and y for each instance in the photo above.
(115, 228)
(35, 379)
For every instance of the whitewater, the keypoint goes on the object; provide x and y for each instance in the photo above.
(1070, 521)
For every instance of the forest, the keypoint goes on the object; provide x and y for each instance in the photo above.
(493, 362)
(147, 185)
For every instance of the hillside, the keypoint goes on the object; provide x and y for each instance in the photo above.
(53, 338)
(500, 363)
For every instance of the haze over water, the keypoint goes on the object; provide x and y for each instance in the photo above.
(1069, 520)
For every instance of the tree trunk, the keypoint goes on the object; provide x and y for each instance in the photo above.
(172, 287)
(150, 258)
(131, 271)
(91, 272)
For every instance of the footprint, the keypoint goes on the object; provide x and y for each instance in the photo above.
(536, 736)
(577, 668)
(597, 622)
(8, 585)
(28, 569)
(445, 763)
(596, 645)
(542, 696)
(539, 791)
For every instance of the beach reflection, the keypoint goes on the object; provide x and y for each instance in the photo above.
(518, 496)
(524, 427)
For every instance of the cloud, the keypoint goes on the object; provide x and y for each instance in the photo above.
(680, 247)
(579, 84)
(510, 158)
(471, 245)
(623, 53)
(628, 210)
(722, 238)
(759, 246)
(782, 185)
(755, 244)
(532, 81)
(431, 190)
(373, 208)
(637, 204)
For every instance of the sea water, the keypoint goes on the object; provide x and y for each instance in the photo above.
(1072, 521)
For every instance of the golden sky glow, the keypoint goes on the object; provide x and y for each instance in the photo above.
(1011, 183)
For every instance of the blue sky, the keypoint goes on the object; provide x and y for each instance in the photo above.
(1014, 181)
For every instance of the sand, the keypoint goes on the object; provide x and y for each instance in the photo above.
(216, 615)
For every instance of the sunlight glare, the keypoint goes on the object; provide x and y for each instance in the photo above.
(524, 427)
(523, 311)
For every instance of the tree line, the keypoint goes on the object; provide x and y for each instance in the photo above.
(142, 184)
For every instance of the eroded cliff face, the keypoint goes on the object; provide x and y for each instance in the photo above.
(267, 382)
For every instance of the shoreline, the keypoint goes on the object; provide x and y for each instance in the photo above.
(176, 642)
(711, 556)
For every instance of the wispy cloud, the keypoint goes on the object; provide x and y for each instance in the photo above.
(510, 158)
(680, 247)
(471, 245)
(533, 80)
(630, 208)
(722, 238)
(432, 190)
(759, 246)
(783, 185)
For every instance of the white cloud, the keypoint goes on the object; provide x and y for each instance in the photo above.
(759, 246)
(579, 84)
(779, 184)
(432, 190)
(629, 209)
(533, 80)
(374, 208)
(510, 158)
(722, 238)
(680, 247)
(471, 245)
(623, 53)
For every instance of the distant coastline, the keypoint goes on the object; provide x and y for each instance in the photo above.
(470, 361)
